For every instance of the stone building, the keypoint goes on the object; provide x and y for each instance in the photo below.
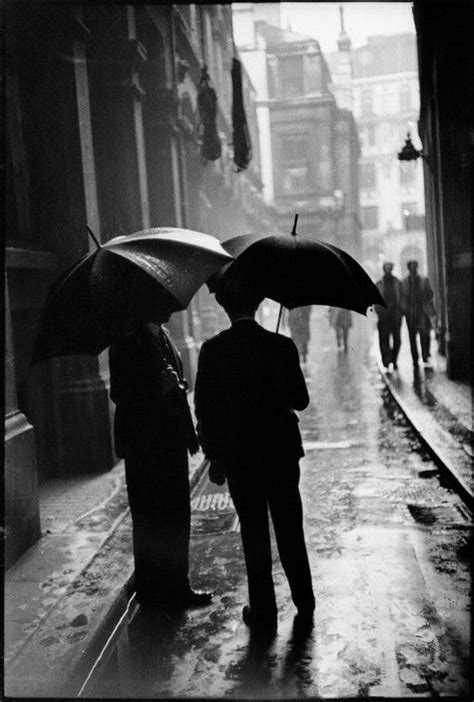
(309, 143)
(385, 94)
(103, 129)
(446, 127)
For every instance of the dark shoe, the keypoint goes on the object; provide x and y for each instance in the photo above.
(188, 600)
(267, 623)
(195, 598)
(395, 367)
(303, 624)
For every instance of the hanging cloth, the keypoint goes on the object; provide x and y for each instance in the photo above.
(207, 104)
(241, 135)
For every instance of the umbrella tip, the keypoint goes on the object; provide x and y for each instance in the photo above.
(93, 237)
(293, 232)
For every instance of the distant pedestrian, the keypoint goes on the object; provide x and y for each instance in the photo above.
(389, 317)
(153, 432)
(341, 321)
(418, 308)
(249, 383)
(299, 323)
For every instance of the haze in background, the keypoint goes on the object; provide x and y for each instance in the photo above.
(361, 20)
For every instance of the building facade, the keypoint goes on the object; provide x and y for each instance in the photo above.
(446, 128)
(103, 130)
(309, 143)
(385, 95)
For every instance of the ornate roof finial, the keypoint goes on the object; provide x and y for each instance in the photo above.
(343, 43)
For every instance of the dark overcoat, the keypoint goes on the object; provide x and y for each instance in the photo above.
(248, 384)
(145, 417)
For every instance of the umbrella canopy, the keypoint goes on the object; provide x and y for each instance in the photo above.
(297, 271)
(124, 282)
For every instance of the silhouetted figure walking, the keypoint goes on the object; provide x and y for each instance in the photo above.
(299, 323)
(418, 308)
(153, 432)
(389, 317)
(248, 385)
(341, 321)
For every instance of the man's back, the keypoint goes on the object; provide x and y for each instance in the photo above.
(249, 382)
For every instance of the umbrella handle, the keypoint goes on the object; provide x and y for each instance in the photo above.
(293, 231)
(279, 317)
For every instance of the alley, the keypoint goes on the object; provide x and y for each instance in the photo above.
(388, 548)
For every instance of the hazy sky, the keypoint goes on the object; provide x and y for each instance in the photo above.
(361, 19)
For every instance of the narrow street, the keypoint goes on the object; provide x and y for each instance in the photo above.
(389, 554)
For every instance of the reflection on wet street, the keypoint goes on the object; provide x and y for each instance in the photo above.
(388, 547)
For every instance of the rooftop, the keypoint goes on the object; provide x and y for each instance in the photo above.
(275, 36)
(385, 54)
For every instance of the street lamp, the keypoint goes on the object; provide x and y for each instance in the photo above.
(409, 153)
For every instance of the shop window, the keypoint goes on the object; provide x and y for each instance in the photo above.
(369, 217)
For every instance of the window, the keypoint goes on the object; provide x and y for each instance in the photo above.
(371, 135)
(411, 221)
(291, 76)
(293, 148)
(294, 167)
(408, 208)
(370, 217)
(367, 176)
(366, 101)
(407, 174)
(405, 97)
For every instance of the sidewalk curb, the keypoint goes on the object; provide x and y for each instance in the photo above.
(34, 671)
(461, 426)
(448, 472)
(117, 619)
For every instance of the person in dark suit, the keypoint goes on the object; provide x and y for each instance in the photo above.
(154, 431)
(299, 324)
(419, 309)
(341, 321)
(389, 317)
(248, 384)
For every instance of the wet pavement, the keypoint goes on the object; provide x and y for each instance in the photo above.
(389, 552)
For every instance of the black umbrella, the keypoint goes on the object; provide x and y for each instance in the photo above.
(121, 284)
(297, 271)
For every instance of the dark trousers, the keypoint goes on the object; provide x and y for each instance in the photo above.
(277, 491)
(159, 497)
(422, 326)
(389, 339)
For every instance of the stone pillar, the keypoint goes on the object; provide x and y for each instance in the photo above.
(22, 522)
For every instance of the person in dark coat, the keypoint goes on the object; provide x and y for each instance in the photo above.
(389, 317)
(154, 431)
(298, 321)
(418, 308)
(248, 386)
(341, 321)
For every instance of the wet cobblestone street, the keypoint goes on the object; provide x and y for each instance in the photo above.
(388, 547)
